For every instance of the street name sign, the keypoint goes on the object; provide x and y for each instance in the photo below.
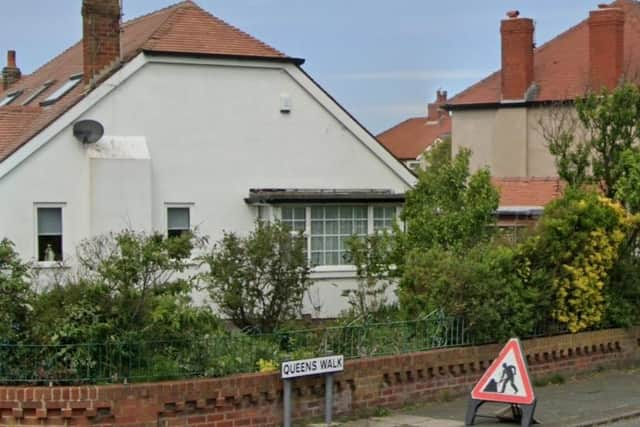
(317, 366)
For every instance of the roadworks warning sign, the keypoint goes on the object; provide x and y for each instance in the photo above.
(507, 379)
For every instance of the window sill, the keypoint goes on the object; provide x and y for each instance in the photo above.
(50, 265)
(334, 272)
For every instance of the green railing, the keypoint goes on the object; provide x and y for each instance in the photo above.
(219, 355)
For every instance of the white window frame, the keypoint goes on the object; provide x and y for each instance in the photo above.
(183, 205)
(36, 235)
(342, 270)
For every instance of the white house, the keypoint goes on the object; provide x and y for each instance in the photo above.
(203, 126)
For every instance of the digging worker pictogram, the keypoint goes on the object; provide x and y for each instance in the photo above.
(508, 375)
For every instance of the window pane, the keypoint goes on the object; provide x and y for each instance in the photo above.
(331, 227)
(331, 212)
(360, 227)
(178, 219)
(50, 248)
(300, 213)
(317, 244)
(361, 212)
(317, 227)
(49, 221)
(332, 243)
(317, 212)
(346, 227)
(287, 213)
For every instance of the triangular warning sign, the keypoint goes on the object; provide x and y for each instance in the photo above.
(507, 379)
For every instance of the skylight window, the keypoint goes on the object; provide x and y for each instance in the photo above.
(63, 90)
(38, 92)
(10, 98)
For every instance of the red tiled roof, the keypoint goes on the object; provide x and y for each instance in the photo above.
(409, 139)
(528, 191)
(183, 28)
(561, 66)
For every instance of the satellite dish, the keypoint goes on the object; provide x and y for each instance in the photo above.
(88, 131)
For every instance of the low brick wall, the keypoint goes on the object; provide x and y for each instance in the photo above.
(256, 399)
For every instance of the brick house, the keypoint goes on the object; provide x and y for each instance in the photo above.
(409, 140)
(498, 118)
(203, 126)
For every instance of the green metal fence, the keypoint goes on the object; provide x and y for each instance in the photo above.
(220, 355)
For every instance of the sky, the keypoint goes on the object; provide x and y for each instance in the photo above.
(383, 60)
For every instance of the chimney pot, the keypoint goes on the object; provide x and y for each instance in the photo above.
(11, 59)
(517, 56)
(434, 109)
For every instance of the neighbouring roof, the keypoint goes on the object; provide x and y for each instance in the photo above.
(561, 66)
(183, 28)
(529, 192)
(409, 139)
(300, 195)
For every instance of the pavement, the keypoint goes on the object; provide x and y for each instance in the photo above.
(610, 397)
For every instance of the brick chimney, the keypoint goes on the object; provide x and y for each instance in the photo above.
(606, 47)
(517, 55)
(434, 109)
(100, 37)
(11, 73)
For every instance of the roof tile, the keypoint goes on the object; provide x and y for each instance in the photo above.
(182, 28)
(561, 66)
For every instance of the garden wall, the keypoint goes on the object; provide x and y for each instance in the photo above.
(255, 399)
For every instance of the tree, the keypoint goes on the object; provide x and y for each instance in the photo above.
(588, 145)
(15, 295)
(372, 257)
(258, 281)
(449, 206)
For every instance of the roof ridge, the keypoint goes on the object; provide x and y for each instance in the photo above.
(166, 26)
(473, 86)
(398, 124)
(160, 28)
(155, 12)
(237, 29)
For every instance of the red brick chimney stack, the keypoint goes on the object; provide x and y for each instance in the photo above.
(434, 110)
(517, 55)
(606, 47)
(11, 73)
(100, 37)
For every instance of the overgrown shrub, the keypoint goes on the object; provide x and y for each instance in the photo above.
(15, 295)
(485, 285)
(258, 281)
(577, 243)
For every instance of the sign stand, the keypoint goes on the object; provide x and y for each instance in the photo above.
(506, 381)
(326, 366)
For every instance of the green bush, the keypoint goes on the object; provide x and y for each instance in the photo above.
(258, 281)
(485, 286)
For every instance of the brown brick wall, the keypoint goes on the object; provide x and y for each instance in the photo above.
(100, 37)
(517, 57)
(255, 399)
(606, 47)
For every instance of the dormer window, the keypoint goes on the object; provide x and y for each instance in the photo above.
(10, 98)
(62, 90)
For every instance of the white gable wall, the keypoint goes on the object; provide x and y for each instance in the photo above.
(213, 132)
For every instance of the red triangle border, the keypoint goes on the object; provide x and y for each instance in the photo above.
(529, 397)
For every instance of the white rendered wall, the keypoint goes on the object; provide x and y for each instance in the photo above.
(213, 132)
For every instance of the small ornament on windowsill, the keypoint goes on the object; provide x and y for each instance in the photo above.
(49, 254)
